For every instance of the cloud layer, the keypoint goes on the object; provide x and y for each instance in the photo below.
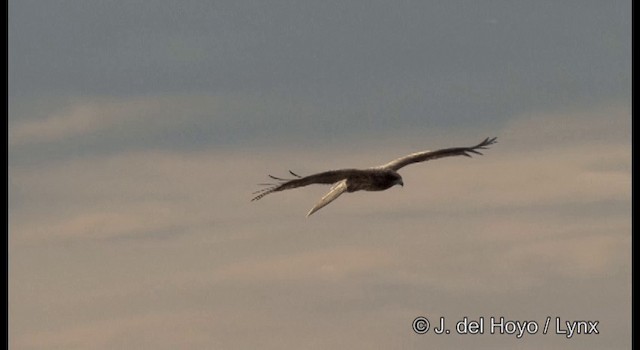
(164, 249)
(138, 131)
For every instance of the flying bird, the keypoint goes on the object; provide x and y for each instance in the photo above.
(377, 178)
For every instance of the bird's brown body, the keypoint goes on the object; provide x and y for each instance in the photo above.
(372, 179)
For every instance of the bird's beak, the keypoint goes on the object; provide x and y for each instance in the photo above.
(401, 184)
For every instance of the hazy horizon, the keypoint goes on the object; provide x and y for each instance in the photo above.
(138, 131)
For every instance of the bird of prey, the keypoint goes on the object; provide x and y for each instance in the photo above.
(377, 178)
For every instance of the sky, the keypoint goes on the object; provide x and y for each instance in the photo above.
(139, 129)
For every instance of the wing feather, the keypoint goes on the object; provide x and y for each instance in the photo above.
(430, 155)
(336, 190)
(327, 177)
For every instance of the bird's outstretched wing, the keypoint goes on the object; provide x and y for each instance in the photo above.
(327, 177)
(446, 152)
(336, 190)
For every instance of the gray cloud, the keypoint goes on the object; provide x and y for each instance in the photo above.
(137, 130)
(410, 64)
(133, 244)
